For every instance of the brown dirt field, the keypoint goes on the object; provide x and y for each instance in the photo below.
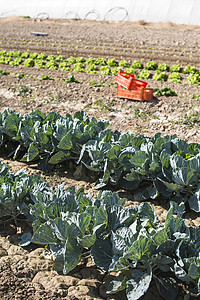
(25, 274)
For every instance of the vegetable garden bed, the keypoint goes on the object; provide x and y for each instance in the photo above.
(144, 245)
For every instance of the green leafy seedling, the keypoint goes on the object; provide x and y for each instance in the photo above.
(71, 78)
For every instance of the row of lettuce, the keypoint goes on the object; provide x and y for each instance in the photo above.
(101, 66)
(158, 167)
(129, 241)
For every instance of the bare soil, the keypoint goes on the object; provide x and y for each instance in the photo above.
(25, 274)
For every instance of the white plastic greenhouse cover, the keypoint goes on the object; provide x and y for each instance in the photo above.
(176, 11)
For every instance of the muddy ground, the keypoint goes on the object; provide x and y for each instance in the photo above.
(25, 274)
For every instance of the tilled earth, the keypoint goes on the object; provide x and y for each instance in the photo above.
(25, 274)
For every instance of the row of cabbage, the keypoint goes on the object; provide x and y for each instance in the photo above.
(101, 66)
(129, 241)
(161, 166)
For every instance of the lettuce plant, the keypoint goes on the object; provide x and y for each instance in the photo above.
(25, 54)
(7, 60)
(40, 63)
(33, 55)
(175, 68)
(144, 74)
(5, 73)
(71, 60)
(137, 65)
(59, 58)
(194, 79)
(189, 69)
(100, 61)
(111, 62)
(175, 77)
(45, 77)
(17, 54)
(91, 68)
(124, 63)
(79, 67)
(151, 65)
(132, 71)
(105, 70)
(90, 60)
(80, 59)
(16, 62)
(52, 65)
(42, 56)
(163, 67)
(160, 76)
(166, 91)
(29, 62)
(50, 57)
(115, 70)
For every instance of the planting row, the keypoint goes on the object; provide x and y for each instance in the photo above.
(164, 166)
(166, 91)
(131, 242)
(103, 49)
(101, 66)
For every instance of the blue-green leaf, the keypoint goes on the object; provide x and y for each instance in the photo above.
(58, 251)
(81, 220)
(25, 239)
(72, 255)
(194, 200)
(41, 138)
(194, 271)
(160, 237)
(118, 217)
(167, 247)
(100, 219)
(109, 199)
(44, 235)
(87, 241)
(59, 157)
(11, 123)
(82, 116)
(184, 172)
(121, 240)
(139, 158)
(101, 253)
(139, 248)
(147, 212)
(125, 158)
(163, 262)
(66, 142)
(138, 284)
(117, 284)
(33, 152)
(64, 230)
(173, 225)
(175, 209)
(172, 186)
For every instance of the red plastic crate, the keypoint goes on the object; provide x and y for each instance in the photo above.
(139, 94)
(125, 79)
(129, 81)
(140, 83)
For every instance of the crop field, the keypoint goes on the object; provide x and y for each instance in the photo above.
(99, 195)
